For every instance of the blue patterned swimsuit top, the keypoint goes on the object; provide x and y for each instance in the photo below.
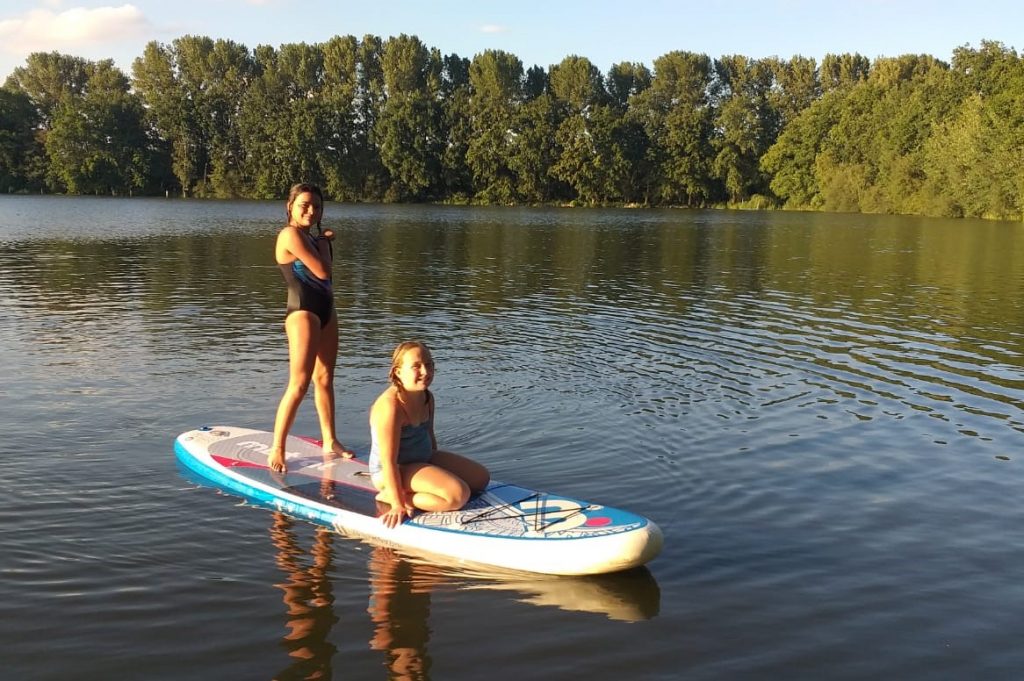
(302, 273)
(414, 446)
(306, 291)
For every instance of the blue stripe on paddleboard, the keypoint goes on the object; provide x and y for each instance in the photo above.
(250, 493)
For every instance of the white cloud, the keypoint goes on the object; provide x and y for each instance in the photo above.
(493, 28)
(44, 30)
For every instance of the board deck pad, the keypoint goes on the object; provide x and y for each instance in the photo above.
(504, 519)
(342, 483)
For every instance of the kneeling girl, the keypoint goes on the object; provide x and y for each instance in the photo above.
(408, 469)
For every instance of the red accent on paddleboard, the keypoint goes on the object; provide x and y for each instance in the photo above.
(228, 462)
(310, 440)
(600, 521)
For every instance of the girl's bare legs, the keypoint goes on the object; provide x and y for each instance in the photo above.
(323, 388)
(434, 488)
(444, 484)
(474, 474)
(303, 331)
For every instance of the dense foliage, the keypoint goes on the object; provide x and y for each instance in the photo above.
(395, 120)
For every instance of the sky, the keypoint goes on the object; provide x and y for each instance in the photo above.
(540, 33)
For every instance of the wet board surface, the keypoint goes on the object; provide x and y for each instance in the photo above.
(505, 526)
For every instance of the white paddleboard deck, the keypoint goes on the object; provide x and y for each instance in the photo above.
(505, 526)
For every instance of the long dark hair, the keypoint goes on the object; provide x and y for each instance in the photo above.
(302, 188)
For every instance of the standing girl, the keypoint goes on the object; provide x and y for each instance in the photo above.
(310, 320)
(405, 464)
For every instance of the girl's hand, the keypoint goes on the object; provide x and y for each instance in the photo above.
(396, 516)
(327, 234)
(398, 510)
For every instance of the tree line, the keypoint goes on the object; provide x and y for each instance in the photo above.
(395, 120)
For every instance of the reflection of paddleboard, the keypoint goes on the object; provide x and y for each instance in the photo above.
(626, 596)
(505, 526)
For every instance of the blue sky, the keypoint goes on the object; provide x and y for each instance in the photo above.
(541, 33)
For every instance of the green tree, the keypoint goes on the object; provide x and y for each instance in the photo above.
(536, 82)
(97, 141)
(456, 177)
(167, 112)
(534, 152)
(584, 159)
(747, 123)
(918, 92)
(843, 71)
(279, 122)
(195, 89)
(578, 162)
(796, 87)
(790, 162)
(20, 149)
(972, 159)
(408, 131)
(341, 148)
(847, 167)
(987, 70)
(578, 83)
(626, 80)
(860, 147)
(677, 117)
(624, 83)
(47, 78)
(369, 103)
(226, 73)
(496, 79)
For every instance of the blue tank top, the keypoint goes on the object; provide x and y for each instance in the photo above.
(414, 446)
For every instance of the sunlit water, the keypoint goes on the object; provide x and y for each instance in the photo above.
(823, 413)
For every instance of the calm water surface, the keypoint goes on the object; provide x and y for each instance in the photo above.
(824, 413)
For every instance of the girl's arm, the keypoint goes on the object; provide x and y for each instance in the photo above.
(387, 427)
(292, 246)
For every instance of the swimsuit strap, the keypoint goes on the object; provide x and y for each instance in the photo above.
(426, 402)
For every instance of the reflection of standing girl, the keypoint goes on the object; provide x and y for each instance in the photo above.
(309, 599)
(311, 323)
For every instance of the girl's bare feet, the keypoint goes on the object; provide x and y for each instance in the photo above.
(336, 449)
(275, 460)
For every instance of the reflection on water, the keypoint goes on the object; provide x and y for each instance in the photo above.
(399, 603)
(630, 596)
(308, 599)
(400, 611)
(401, 587)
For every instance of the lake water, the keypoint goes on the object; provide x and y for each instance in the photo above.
(824, 414)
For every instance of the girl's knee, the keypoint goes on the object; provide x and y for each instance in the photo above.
(323, 377)
(457, 495)
(298, 388)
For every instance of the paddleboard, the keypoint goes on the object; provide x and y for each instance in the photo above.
(505, 526)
